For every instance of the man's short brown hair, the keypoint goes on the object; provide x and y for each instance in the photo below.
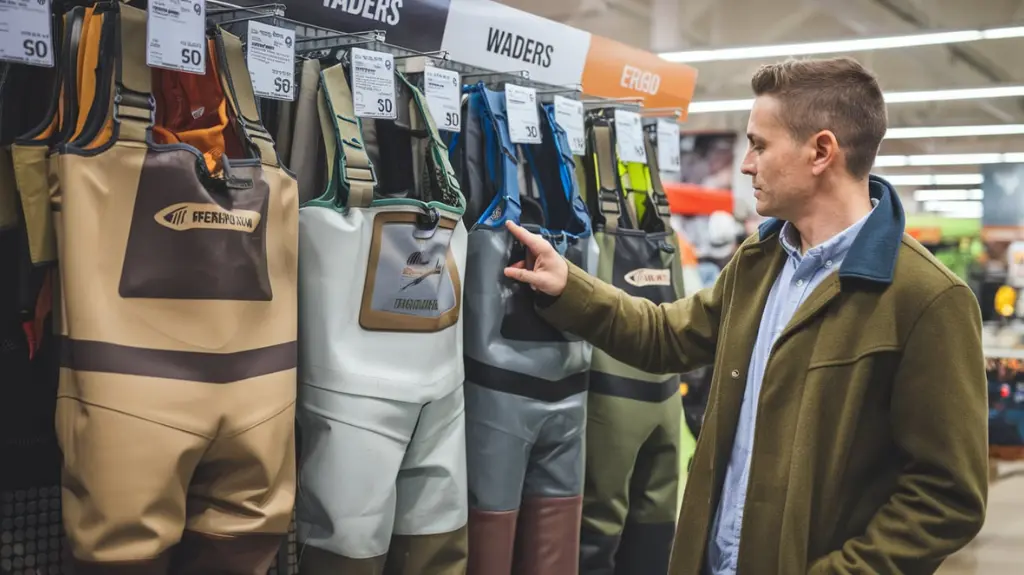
(836, 94)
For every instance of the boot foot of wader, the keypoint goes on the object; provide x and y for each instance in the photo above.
(645, 548)
(157, 566)
(314, 561)
(250, 554)
(440, 554)
(597, 552)
(492, 539)
(548, 542)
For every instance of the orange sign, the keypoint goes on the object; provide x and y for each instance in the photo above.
(615, 70)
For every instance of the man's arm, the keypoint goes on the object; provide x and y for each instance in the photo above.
(940, 421)
(668, 338)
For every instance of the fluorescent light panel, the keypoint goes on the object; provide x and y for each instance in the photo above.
(949, 195)
(955, 209)
(948, 160)
(890, 98)
(953, 131)
(934, 179)
(840, 46)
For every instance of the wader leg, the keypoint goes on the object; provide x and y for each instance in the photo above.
(548, 541)
(616, 430)
(432, 510)
(498, 443)
(650, 529)
(240, 501)
(352, 449)
(124, 482)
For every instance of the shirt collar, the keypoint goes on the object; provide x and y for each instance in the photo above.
(872, 257)
(834, 249)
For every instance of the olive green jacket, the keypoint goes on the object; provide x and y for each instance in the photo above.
(871, 446)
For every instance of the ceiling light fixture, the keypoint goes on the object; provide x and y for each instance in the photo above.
(840, 46)
(948, 160)
(954, 131)
(890, 98)
(948, 195)
(955, 209)
(935, 179)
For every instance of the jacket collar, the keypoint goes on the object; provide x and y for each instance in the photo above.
(872, 256)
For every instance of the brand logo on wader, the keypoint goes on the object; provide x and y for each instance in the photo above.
(192, 216)
(418, 268)
(649, 277)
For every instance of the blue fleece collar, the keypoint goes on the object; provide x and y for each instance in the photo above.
(873, 254)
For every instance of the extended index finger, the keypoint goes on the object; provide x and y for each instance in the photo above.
(535, 243)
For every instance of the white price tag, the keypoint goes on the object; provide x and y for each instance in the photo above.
(629, 133)
(26, 32)
(523, 117)
(270, 57)
(668, 146)
(569, 115)
(373, 84)
(444, 97)
(176, 35)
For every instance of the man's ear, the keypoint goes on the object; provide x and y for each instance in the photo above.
(826, 151)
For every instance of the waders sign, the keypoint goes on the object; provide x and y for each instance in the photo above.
(414, 24)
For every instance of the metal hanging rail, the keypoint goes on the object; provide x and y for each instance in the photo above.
(312, 41)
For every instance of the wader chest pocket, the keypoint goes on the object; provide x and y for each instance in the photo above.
(521, 322)
(196, 239)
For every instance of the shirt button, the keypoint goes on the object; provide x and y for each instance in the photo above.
(735, 374)
(828, 264)
(799, 283)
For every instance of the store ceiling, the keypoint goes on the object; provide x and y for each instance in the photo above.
(669, 25)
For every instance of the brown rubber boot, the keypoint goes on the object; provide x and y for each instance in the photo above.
(548, 541)
(225, 555)
(492, 538)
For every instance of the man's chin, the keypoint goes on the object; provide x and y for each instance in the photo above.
(763, 209)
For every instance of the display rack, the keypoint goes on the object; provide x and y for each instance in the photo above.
(312, 41)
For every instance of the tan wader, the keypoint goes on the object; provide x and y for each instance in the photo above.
(178, 364)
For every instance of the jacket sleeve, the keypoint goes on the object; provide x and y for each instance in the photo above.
(668, 338)
(939, 418)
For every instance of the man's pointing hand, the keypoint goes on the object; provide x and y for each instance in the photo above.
(544, 269)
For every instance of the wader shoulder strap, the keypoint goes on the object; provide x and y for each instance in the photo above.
(443, 172)
(609, 201)
(327, 130)
(567, 171)
(656, 192)
(237, 85)
(499, 153)
(134, 108)
(357, 177)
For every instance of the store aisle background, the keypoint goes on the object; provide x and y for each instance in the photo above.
(999, 548)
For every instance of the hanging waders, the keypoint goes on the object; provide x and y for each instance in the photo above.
(381, 410)
(176, 402)
(525, 382)
(633, 424)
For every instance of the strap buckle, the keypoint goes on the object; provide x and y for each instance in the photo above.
(134, 100)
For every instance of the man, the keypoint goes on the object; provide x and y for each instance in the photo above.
(847, 426)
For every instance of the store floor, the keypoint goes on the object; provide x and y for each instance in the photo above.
(999, 548)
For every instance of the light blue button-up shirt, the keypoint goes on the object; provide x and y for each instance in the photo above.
(799, 276)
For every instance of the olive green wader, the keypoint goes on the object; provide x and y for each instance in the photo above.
(633, 417)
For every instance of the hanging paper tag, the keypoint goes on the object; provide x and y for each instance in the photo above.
(629, 133)
(668, 146)
(373, 84)
(176, 35)
(569, 116)
(523, 119)
(25, 32)
(444, 97)
(270, 57)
